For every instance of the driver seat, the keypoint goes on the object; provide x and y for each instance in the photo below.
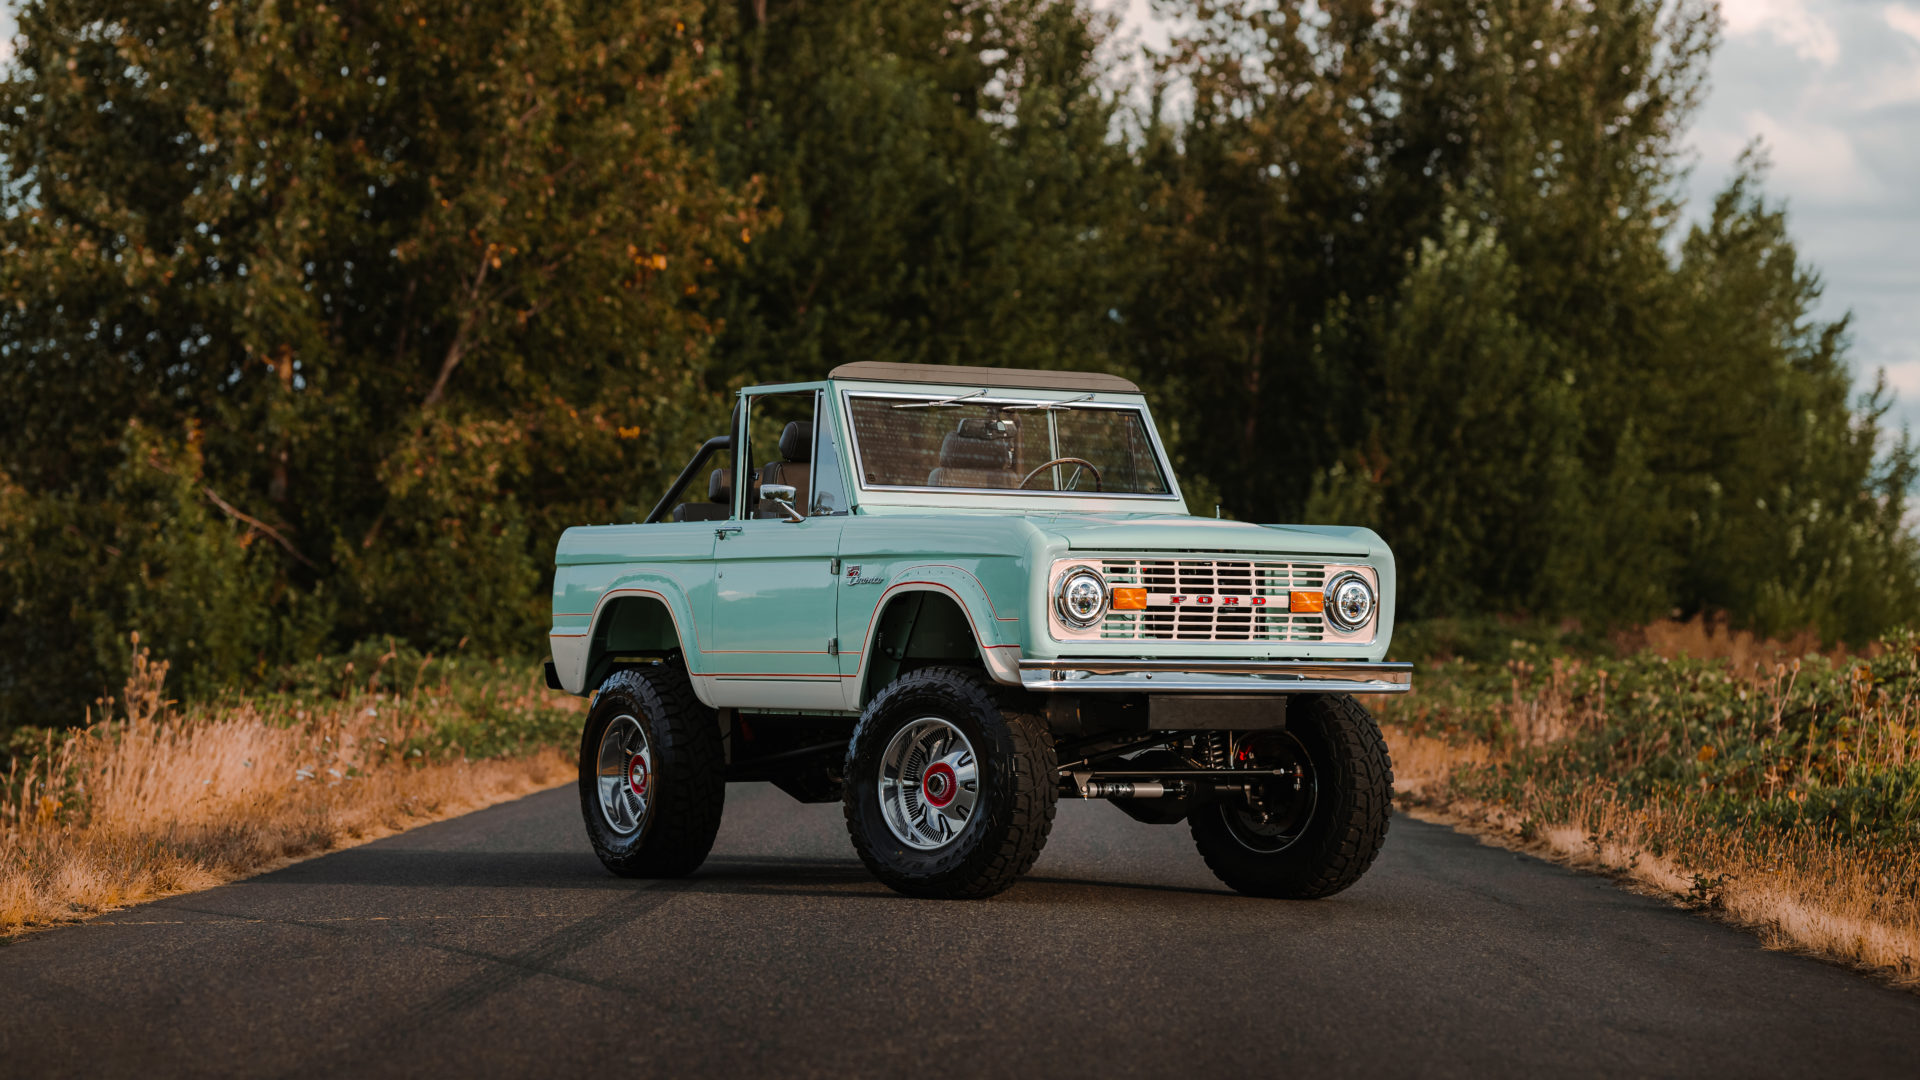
(795, 467)
(974, 454)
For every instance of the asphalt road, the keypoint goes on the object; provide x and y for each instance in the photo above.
(494, 945)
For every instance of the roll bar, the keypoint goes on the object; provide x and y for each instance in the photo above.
(707, 450)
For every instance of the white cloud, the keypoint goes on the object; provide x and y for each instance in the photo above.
(1904, 19)
(1889, 86)
(1786, 21)
(1813, 159)
(1905, 378)
(1897, 83)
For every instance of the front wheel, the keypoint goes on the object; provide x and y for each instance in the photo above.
(950, 786)
(1314, 826)
(652, 782)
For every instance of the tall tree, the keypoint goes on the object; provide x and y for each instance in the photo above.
(420, 280)
(1791, 488)
(945, 180)
(1416, 259)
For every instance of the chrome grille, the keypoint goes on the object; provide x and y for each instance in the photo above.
(1247, 600)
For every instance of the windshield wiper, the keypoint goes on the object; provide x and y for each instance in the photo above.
(1046, 406)
(943, 401)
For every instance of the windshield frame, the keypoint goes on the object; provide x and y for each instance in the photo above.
(976, 496)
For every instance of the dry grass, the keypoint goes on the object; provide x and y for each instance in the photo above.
(1804, 895)
(1701, 638)
(1777, 794)
(159, 799)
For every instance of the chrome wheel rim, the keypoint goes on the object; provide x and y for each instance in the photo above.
(929, 782)
(625, 775)
(1285, 804)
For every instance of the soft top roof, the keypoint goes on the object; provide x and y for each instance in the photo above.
(957, 375)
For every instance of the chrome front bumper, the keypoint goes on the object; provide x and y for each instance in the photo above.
(1080, 676)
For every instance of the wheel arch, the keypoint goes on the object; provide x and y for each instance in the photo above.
(922, 620)
(638, 624)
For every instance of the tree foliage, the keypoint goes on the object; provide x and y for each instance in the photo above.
(1419, 260)
(945, 182)
(420, 280)
(319, 321)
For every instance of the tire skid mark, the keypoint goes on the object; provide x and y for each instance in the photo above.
(507, 972)
(502, 973)
(623, 989)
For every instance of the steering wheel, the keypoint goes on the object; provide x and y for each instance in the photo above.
(1071, 480)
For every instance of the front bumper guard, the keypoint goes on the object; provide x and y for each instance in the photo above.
(1084, 675)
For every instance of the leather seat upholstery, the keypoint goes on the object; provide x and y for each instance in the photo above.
(701, 512)
(975, 455)
(719, 504)
(795, 468)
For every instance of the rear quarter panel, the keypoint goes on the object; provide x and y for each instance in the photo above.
(594, 565)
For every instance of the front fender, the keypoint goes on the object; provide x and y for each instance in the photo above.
(996, 628)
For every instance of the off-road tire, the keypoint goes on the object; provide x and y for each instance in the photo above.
(1349, 820)
(689, 775)
(1018, 789)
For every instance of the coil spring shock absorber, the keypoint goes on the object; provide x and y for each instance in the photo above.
(1216, 750)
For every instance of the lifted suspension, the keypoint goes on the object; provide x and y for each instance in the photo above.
(1185, 768)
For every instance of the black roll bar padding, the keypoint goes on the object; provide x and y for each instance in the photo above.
(707, 450)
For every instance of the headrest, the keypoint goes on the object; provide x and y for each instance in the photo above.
(796, 443)
(720, 486)
(979, 427)
(984, 450)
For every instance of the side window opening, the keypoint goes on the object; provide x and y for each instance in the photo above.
(780, 450)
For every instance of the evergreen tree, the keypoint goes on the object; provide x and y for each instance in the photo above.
(1472, 436)
(1792, 490)
(945, 182)
(1547, 411)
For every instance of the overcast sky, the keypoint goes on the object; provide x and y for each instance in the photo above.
(1833, 88)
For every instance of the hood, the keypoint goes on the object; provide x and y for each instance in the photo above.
(1181, 533)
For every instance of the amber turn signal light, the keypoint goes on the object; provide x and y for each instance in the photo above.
(1129, 599)
(1305, 603)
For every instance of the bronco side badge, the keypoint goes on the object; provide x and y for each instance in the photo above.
(854, 578)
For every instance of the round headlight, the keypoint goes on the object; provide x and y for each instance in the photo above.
(1349, 601)
(1082, 598)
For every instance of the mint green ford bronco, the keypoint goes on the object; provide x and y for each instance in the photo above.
(948, 597)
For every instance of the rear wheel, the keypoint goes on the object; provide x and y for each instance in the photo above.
(950, 788)
(1314, 826)
(652, 782)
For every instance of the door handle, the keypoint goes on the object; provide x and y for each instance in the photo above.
(721, 534)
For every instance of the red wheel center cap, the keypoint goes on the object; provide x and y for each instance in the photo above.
(637, 775)
(939, 784)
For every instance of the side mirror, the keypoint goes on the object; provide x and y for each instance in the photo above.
(782, 495)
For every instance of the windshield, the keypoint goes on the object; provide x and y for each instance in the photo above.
(988, 444)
